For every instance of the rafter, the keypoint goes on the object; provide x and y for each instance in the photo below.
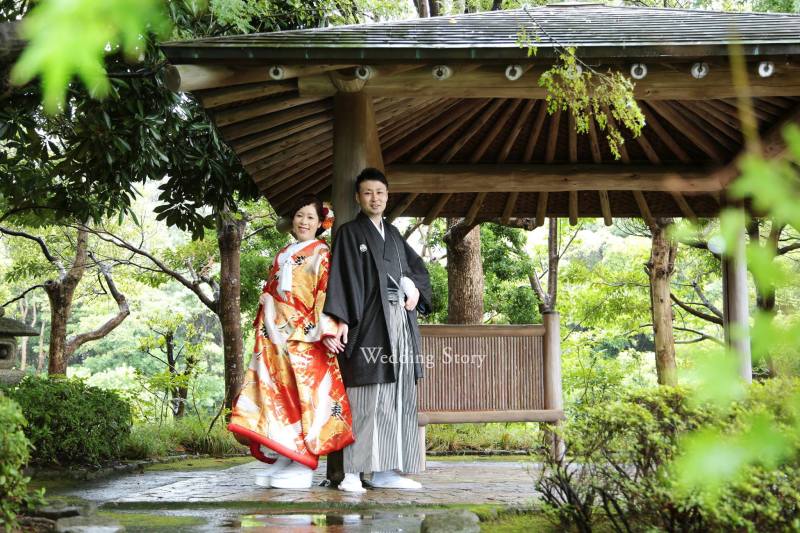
(535, 132)
(495, 131)
(522, 119)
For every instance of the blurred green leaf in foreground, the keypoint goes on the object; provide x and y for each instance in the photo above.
(714, 457)
(68, 38)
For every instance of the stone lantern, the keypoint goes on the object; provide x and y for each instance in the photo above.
(10, 329)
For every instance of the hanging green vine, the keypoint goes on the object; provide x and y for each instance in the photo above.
(587, 94)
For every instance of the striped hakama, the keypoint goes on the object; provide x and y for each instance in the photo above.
(385, 414)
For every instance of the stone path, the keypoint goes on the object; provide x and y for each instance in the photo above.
(445, 482)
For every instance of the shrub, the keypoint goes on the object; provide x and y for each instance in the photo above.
(72, 423)
(14, 454)
(616, 471)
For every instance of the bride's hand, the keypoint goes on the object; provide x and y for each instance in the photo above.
(337, 342)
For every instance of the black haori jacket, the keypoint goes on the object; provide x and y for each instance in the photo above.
(357, 295)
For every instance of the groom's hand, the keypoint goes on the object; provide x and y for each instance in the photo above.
(412, 299)
(337, 342)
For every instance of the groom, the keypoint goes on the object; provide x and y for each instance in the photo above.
(377, 284)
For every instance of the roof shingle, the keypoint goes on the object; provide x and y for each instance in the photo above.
(598, 31)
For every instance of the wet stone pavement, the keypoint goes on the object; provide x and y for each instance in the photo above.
(229, 500)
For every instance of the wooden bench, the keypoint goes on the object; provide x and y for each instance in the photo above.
(476, 374)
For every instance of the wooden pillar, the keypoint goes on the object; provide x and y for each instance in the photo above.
(735, 301)
(355, 146)
(553, 398)
(422, 448)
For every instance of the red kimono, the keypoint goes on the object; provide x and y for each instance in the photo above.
(293, 400)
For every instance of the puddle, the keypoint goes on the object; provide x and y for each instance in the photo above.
(329, 522)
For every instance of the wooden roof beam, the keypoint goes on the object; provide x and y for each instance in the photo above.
(522, 119)
(538, 124)
(597, 157)
(772, 145)
(573, 158)
(447, 132)
(663, 82)
(436, 179)
(508, 210)
(692, 132)
(404, 204)
(647, 215)
(186, 78)
(437, 208)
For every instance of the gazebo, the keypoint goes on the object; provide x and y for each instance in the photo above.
(451, 108)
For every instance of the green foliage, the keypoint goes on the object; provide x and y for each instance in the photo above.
(70, 37)
(186, 435)
(472, 437)
(70, 422)
(618, 467)
(607, 99)
(14, 455)
(438, 274)
(762, 439)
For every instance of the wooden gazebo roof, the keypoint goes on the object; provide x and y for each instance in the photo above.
(482, 146)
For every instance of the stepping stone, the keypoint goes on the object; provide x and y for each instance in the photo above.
(56, 511)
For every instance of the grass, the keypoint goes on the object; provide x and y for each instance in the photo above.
(494, 436)
(199, 463)
(187, 435)
(528, 522)
(455, 458)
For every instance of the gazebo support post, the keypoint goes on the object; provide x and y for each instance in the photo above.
(736, 311)
(553, 398)
(355, 147)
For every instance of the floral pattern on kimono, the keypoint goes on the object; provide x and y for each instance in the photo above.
(293, 400)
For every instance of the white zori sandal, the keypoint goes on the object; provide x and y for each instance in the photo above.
(351, 483)
(294, 476)
(389, 479)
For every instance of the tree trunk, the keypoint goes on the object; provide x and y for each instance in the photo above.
(229, 237)
(61, 293)
(497, 5)
(660, 269)
(40, 362)
(464, 274)
(60, 310)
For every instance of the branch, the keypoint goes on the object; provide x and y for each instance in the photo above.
(783, 250)
(76, 271)
(21, 296)
(572, 238)
(412, 228)
(124, 310)
(456, 233)
(701, 245)
(528, 224)
(193, 286)
(706, 302)
(704, 336)
(45, 250)
(692, 311)
(553, 258)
